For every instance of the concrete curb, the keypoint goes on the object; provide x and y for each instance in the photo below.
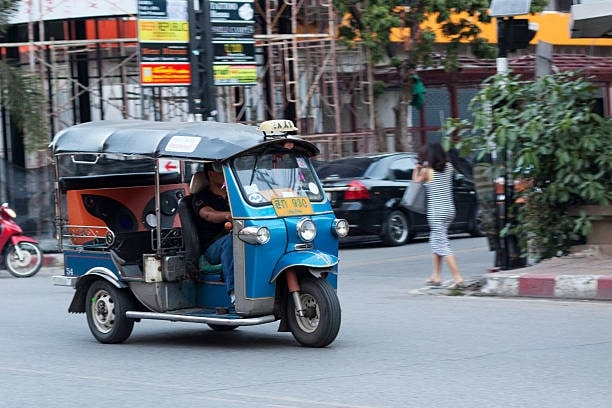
(52, 260)
(589, 287)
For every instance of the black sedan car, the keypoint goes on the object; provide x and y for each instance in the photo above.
(367, 190)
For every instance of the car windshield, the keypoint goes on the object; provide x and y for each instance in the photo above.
(276, 174)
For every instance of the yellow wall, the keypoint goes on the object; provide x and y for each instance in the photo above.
(554, 28)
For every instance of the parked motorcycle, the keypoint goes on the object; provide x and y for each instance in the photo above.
(21, 255)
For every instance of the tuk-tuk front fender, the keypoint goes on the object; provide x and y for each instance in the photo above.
(311, 259)
(78, 301)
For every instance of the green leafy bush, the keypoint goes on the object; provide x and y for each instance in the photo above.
(545, 132)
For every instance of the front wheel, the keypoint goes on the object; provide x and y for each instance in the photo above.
(320, 323)
(23, 260)
(105, 307)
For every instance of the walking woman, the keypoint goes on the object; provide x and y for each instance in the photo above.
(436, 172)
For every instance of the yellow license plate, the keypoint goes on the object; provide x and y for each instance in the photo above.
(287, 206)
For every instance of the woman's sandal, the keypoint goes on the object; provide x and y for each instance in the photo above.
(457, 285)
(431, 282)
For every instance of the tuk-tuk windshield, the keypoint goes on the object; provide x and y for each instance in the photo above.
(276, 174)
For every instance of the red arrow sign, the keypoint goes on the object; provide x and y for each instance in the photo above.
(169, 166)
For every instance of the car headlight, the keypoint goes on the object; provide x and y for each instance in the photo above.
(254, 235)
(306, 230)
(340, 227)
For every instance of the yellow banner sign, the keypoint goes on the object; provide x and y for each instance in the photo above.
(235, 74)
(163, 30)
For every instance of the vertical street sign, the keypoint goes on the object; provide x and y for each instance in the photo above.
(232, 35)
(222, 50)
(163, 35)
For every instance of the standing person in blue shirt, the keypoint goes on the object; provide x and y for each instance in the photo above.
(436, 171)
(212, 207)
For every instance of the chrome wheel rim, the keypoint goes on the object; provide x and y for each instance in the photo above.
(103, 311)
(398, 228)
(310, 321)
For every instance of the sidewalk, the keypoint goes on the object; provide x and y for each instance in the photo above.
(582, 275)
(585, 275)
(52, 260)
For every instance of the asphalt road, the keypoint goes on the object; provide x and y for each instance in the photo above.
(395, 349)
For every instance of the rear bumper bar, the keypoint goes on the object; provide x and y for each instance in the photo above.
(61, 280)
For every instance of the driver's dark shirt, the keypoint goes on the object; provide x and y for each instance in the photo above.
(209, 231)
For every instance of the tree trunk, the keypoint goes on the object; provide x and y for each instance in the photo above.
(380, 136)
(403, 138)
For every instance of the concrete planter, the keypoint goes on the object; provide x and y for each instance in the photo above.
(600, 236)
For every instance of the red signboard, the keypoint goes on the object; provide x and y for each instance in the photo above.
(161, 74)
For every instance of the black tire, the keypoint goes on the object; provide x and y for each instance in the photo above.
(321, 323)
(105, 309)
(396, 229)
(221, 327)
(26, 263)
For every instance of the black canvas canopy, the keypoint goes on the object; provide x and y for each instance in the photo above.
(181, 140)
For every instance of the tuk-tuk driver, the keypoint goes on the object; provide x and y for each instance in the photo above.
(213, 210)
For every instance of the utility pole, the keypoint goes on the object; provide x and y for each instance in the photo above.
(202, 96)
(507, 38)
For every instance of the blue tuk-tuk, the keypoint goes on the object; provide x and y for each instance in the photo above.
(130, 241)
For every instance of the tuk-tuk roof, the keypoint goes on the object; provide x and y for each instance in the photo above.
(183, 140)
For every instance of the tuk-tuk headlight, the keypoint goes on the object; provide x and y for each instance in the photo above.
(340, 227)
(254, 235)
(306, 229)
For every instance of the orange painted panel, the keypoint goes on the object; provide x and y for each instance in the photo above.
(122, 209)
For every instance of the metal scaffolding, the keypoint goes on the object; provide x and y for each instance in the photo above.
(303, 75)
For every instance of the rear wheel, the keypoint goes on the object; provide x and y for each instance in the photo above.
(396, 229)
(24, 260)
(320, 324)
(105, 307)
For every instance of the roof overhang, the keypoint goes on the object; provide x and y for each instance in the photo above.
(591, 20)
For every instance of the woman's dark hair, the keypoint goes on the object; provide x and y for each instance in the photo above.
(422, 154)
(436, 156)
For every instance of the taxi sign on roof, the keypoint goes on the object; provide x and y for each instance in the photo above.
(277, 126)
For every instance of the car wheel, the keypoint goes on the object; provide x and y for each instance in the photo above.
(396, 229)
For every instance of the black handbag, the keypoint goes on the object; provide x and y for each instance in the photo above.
(414, 198)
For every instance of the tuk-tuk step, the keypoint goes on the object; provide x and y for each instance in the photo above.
(202, 316)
